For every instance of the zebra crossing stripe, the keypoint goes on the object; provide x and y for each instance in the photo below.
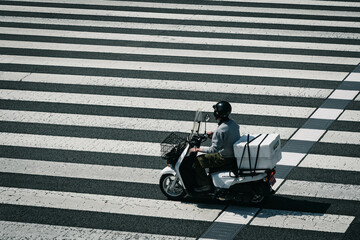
(173, 67)
(184, 28)
(331, 162)
(77, 170)
(303, 221)
(341, 137)
(320, 190)
(350, 115)
(109, 204)
(152, 103)
(177, 16)
(198, 7)
(179, 52)
(19, 230)
(295, 2)
(125, 122)
(166, 84)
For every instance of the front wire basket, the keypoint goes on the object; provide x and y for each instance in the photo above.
(173, 145)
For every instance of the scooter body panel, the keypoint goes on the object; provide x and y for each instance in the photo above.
(226, 179)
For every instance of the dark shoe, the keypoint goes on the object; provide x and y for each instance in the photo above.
(205, 188)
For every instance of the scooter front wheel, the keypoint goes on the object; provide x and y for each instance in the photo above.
(171, 187)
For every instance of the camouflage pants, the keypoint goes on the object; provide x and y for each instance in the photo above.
(210, 160)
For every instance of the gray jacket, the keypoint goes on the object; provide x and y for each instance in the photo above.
(227, 133)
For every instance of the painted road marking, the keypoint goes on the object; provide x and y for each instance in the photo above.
(109, 204)
(19, 230)
(172, 67)
(152, 103)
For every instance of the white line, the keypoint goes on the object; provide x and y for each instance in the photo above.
(353, 77)
(304, 134)
(19, 230)
(303, 221)
(109, 204)
(152, 103)
(167, 84)
(174, 67)
(192, 28)
(78, 170)
(341, 137)
(178, 16)
(320, 190)
(125, 122)
(331, 162)
(218, 7)
(80, 144)
(350, 115)
(178, 52)
(306, 2)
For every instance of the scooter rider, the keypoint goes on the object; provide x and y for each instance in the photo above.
(221, 152)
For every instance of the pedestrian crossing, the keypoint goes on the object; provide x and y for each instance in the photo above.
(90, 88)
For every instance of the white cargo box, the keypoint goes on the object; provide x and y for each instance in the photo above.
(264, 149)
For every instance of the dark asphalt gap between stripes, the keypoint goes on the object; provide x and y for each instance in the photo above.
(99, 220)
(85, 132)
(181, 22)
(166, 33)
(81, 185)
(165, 94)
(179, 59)
(325, 175)
(335, 149)
(178, 11)
(347, 126)
(145, 113)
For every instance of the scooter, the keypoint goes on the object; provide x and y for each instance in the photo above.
(177, 179)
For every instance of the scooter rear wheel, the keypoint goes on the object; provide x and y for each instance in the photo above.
(172, 190)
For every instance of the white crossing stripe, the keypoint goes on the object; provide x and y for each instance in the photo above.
(19, 230)
(350, 115)
(109, 204)
(320, 190)
(166, 84)
(79, 170)
(152, 103)
(178, 16)
(341, 137)
(225, 8)
(125, 122)
(185, 28)
(303, 220)
(80, 144)
(179, 52)
(331, 162)
(305, 2)
(173, 67)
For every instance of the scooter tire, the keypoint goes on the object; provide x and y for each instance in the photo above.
(178, 193)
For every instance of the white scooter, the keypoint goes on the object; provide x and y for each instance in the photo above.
(228, 183)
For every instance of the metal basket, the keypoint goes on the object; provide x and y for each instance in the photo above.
(173, 145)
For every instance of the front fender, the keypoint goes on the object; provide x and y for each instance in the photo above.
(168, 170)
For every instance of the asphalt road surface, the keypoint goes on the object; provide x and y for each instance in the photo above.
(90, 88)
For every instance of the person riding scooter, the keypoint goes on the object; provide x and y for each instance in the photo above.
(221, 152)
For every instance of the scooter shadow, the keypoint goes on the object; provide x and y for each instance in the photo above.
(281, 203)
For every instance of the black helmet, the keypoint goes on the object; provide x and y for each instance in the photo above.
(222, 109)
